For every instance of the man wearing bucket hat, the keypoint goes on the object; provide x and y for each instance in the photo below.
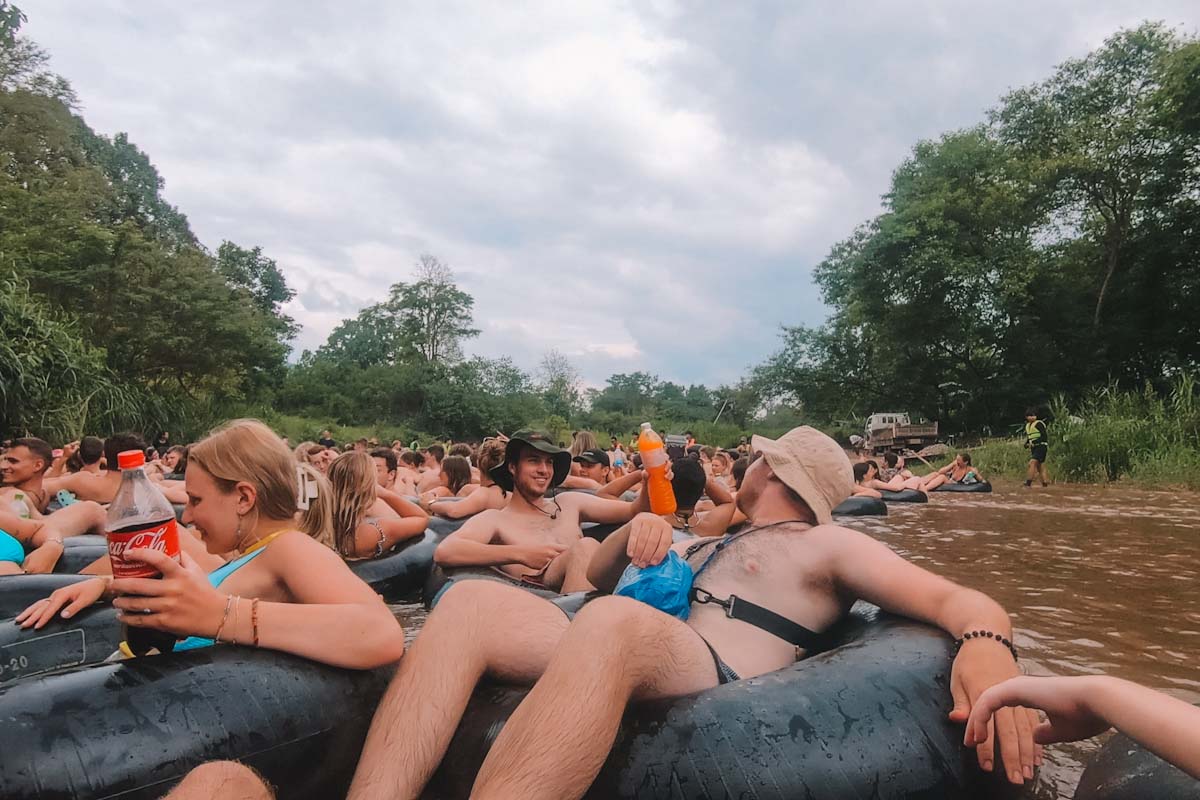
(760, 599)
(535, 540)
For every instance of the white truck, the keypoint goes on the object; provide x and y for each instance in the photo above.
(893, 430)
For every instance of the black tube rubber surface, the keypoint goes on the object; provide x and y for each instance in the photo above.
(401, 573)
(865, 720)
(76, 557)
(906, 496)
(131, 730)
(861, 506)
(1124, 770)
(965, 488)
(18, 592)
(89, 637)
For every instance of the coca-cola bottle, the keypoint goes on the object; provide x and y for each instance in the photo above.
(140, 516)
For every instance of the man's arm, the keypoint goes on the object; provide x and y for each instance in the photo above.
(471, 546)
(621, 485)
(718, 520)
(864, 568)
(594, 508)
(580, 482)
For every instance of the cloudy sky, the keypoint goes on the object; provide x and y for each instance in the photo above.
(639, 185)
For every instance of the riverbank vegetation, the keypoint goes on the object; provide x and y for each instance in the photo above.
(1027, 260)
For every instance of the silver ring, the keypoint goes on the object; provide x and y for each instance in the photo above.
(147, 611)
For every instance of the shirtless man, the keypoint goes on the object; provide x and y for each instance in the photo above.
(795, 562)
(385, 468)
(689, 481)
(535, 540)
(431, 476)
(22, 470)
(103, 487)
(594, 469)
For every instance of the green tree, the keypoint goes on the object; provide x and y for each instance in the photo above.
(52, 383)
(434, 315)
(1094, 141)
(560, 385)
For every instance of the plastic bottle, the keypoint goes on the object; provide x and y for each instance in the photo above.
(654, 461)
(18, 505)
(140, 516)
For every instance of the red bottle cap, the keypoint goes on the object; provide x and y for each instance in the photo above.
(130, 459)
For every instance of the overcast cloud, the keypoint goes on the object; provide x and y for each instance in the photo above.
(642, 186)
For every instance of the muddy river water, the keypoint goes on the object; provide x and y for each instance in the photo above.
(1097, 580)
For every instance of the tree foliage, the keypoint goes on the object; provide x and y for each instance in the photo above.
(1042, 253)
(85, 227)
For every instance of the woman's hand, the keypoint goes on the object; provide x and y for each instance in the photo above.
(182, 602)
(70, 599)
(1065, 701)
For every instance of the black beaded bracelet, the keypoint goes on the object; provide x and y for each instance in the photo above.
(958, 643)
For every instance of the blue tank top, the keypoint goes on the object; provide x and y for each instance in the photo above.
(216, 578)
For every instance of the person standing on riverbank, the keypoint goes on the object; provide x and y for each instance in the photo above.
(1037, 440)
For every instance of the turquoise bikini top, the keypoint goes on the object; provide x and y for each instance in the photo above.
(216, 577)
(11, 549)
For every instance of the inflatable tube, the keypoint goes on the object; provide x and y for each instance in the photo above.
(402, 572)
(89, 637)
(440, 579)
(18, 592)
(86, 540)
(861, 506)
(133, 729)
(906, 496)
(77, 557)
(1124, 770)
(867, 719)
(967, 488)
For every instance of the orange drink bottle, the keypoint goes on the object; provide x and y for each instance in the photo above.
(654, 461)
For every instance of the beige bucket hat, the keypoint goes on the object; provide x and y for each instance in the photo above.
(812, 465)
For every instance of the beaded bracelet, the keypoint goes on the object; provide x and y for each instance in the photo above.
(958, 643)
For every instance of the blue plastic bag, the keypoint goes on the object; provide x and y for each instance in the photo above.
(664, 586)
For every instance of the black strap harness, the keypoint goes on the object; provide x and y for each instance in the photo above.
(746, 611)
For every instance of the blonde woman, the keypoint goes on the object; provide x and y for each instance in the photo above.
(260, 581)
(580, 441)
(368, 520)
(487, 495)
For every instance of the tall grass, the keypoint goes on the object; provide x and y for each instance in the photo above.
(1145, 437)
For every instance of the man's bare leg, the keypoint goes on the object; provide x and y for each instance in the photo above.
(227, 780)
(568, 572)
(85, 516)
(617, 649)
(477, 627)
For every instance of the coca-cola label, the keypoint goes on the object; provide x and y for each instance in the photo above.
(163, 537)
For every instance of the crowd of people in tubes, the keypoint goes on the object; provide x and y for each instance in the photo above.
(268, 529)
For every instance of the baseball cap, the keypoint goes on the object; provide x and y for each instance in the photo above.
(812, 465)
(594, 456)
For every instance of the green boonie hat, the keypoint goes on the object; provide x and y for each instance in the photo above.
(538, 441)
